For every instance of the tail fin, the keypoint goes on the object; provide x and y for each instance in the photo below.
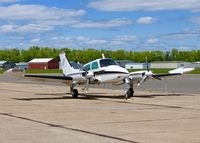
(65, 64)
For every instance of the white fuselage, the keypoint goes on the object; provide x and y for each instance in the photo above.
(102, 71)
(111, 74)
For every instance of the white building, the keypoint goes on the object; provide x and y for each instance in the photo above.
(135, 66)
(196, 64)
(122, 63)
(170, 64)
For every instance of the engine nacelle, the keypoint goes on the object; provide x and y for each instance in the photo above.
(90, 74)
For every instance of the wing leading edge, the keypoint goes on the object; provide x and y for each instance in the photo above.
(60, 77)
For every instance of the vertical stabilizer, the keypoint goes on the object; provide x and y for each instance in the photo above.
(65, 64)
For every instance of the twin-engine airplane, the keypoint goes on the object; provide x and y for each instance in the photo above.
(104, 70)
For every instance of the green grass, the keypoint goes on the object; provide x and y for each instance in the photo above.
(154, 70)
(1, 71)
(44, 71)
(161, 70)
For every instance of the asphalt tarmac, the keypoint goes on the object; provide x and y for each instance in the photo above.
(44, 112)
(186, 84)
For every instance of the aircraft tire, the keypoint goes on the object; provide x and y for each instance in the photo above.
(75, 93)
(129, 93)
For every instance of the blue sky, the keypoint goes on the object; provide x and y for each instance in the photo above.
(135, 25)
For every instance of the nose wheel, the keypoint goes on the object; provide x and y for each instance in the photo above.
(129, 93)
(75, 93)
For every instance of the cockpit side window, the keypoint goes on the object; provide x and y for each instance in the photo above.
(87, 67)
(95, 65)
(107, 62)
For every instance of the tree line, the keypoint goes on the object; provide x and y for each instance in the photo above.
(86, 55)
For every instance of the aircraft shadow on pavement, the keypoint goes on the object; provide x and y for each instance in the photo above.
(42, 98)
(60, 96)
(162, 95)
(90, 96)
(84, 95)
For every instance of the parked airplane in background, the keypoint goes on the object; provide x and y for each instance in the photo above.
(104, 70)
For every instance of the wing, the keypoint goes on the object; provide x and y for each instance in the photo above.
(166, 74)
(141, 76)
(178, 71)
(59, 77)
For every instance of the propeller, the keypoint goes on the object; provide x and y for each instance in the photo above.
(156, 77)
(148, 74)
(143, 80)
(88, 75)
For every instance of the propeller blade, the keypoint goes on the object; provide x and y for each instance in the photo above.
(156, 77)
(143, 80)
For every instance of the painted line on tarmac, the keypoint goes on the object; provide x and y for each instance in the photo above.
(68, 128)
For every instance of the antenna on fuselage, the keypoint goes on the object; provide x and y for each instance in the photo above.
(103, 56)
(147, 64)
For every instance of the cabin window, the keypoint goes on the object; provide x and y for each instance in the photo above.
(87, 67)
(95, 65)
(107, 62)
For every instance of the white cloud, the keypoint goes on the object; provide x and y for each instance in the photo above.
(83, 41)
(35, 41)
(145, 5)
(96, 42)
(82, 38)
(37, 12)
(29, 28)
(126, 38)
(36, 18)
(115, 43)
(103, 24)
(123, 39)
(182, 35)
(152, 40)
(79, 41)
(146, 20)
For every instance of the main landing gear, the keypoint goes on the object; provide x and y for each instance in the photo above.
(129, 88)
(129, 93)
(73, 91)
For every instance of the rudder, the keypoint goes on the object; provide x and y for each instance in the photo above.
(65, 64)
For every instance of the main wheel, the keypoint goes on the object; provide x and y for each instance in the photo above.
(129, 93)
(75, 93)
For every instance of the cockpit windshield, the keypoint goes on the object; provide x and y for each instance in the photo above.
(107, 62)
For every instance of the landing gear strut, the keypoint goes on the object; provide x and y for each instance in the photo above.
(129, 87)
